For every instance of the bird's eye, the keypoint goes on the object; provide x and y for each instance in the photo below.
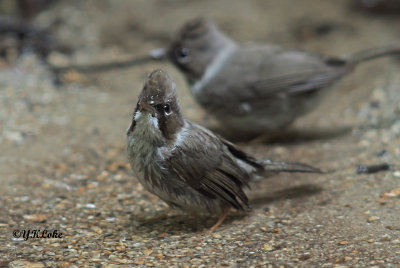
(167, 109)
(183, 52)
(183, 55)
(163, 109)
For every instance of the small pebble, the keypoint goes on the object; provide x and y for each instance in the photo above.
(90, 205)
(373, 219)
(267, 247)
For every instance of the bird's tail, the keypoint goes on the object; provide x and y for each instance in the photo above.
(373, 53)
(281, 166)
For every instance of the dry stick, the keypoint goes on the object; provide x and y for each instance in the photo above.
(154, 55)
(363, 169)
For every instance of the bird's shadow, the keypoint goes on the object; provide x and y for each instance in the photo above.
(303, 135)
(181, 223)
(289, 136)
(304, 190)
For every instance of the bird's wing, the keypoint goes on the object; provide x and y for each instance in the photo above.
(264, 74)
(297, 82)
(205, 164)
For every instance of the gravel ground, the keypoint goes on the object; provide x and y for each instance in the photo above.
(63, 162)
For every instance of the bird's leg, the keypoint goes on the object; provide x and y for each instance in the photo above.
(220, 220)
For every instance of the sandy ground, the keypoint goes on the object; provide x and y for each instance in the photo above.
(63, 162)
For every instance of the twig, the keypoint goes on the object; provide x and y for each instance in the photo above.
(362, 169)
(154, 55)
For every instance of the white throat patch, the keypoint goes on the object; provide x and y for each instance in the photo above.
(152, 121)
(146, 128)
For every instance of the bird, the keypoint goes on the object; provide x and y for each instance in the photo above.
(186, 165)
(253, 89)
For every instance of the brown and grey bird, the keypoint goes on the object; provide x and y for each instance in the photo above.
(186, 165)
(253, 89)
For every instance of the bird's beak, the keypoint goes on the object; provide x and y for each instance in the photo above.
(144, 106)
